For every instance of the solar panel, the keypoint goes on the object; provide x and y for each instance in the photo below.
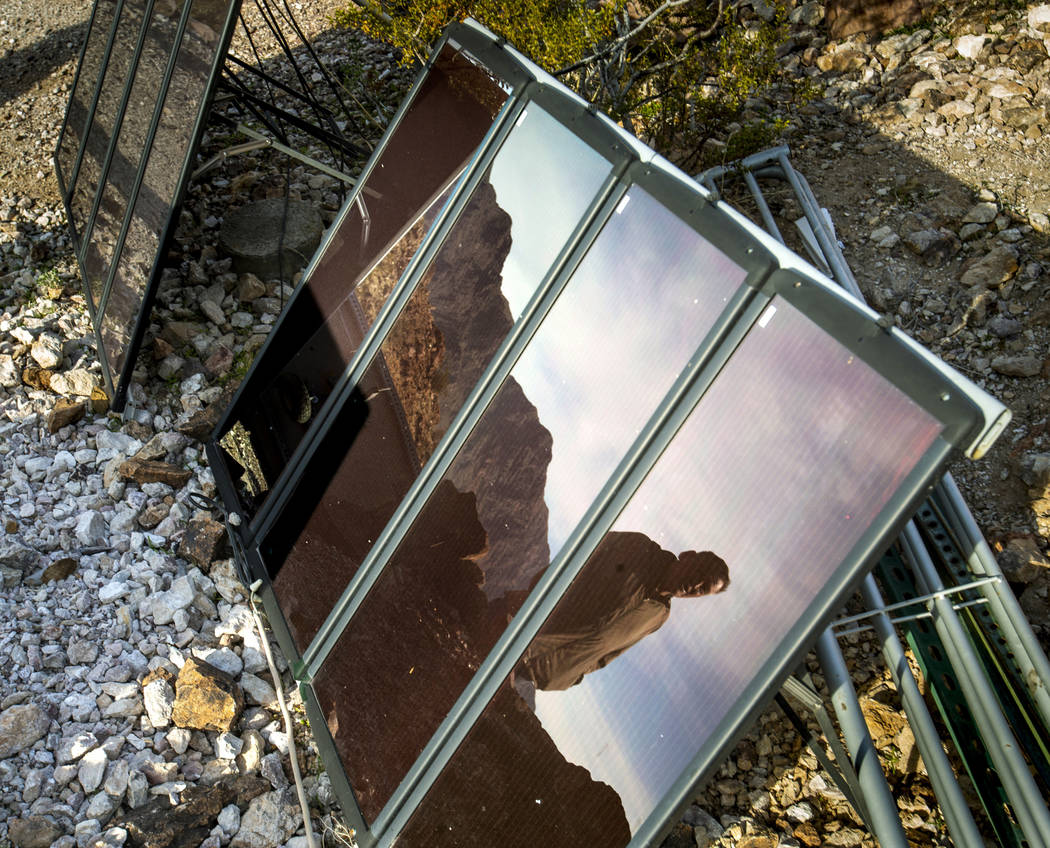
(590, 464)
(132, 126)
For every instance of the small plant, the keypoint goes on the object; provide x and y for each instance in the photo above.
(672, 72)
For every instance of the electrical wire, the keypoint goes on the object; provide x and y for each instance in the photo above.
(300, 791)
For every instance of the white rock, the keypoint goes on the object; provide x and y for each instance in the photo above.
(1039, 18)
(270, 820)
(258, 691)
(178, 738)
(113, 590)
(92, 769)
(970, 46)
(178, 597)
(20, 727)
(47, 350)
(91, 529)
(138, 789)
(74, 748)
(222, 658)
(229, 819)
(124, 708)
(116, 782)
(8, 371)
(86, 831)
(158, 698)
(227, 746)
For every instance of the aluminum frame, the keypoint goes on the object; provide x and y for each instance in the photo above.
(985, 577)
(117, 384)
(970, 418)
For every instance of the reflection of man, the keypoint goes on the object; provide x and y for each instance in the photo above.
(622, 594)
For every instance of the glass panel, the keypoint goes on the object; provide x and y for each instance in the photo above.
(103, 125)
(369, 250)
(160, 185)
(774, 477)
(628, 322)
(131, 141)
(84, 91)
(510, 231)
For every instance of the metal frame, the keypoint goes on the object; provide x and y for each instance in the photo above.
(970, 417)
(117, 385)
(981, 574)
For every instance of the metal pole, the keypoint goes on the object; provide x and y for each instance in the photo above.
(1029, 806)
(950, 797)
(1011, 619)
(885, 820)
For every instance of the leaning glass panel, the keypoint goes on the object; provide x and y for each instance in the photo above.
(631, 317)
(131, 141)
(138, 258)
(103, 123)
(495, 256)
(370, 247)
(785, 463)
(77, 113)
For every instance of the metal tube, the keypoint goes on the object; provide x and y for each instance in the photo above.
(885, 820)
(1008, 614)
(763, 207)
(957, 814)
(1029, 806)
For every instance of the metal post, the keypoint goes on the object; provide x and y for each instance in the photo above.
(1028, 804)
(1008, 614)
(885, 820)
(956, 812)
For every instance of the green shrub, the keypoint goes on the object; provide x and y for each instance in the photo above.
(675, 73)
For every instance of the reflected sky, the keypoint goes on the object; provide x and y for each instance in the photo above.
(545, 198)
(740, 480)
(632, 315)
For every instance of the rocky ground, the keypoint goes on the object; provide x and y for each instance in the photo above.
(130, 673)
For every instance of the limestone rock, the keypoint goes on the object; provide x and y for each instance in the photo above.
(1022, 561)
(251, 235)
(47, 351)
(33, 832)
(92, 769)
(203, 541)
(64, 413)
(271, 819)
(158, 698)
(20, 727)
(77, 381)
(206, 698)
(146, 471)
(1024, 365)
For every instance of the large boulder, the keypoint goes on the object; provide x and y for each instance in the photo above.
(848, 17)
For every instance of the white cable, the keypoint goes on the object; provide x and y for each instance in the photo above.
(287, 722)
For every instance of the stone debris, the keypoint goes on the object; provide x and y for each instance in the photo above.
(205, 697)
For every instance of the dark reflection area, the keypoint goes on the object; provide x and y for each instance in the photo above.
(369, 250)
(436, 351)
(522, 789)
(83, 92)
(786, 462)
(489, 265)
(131, 141)
(610, 348)
(139, 257)
(104, 121)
